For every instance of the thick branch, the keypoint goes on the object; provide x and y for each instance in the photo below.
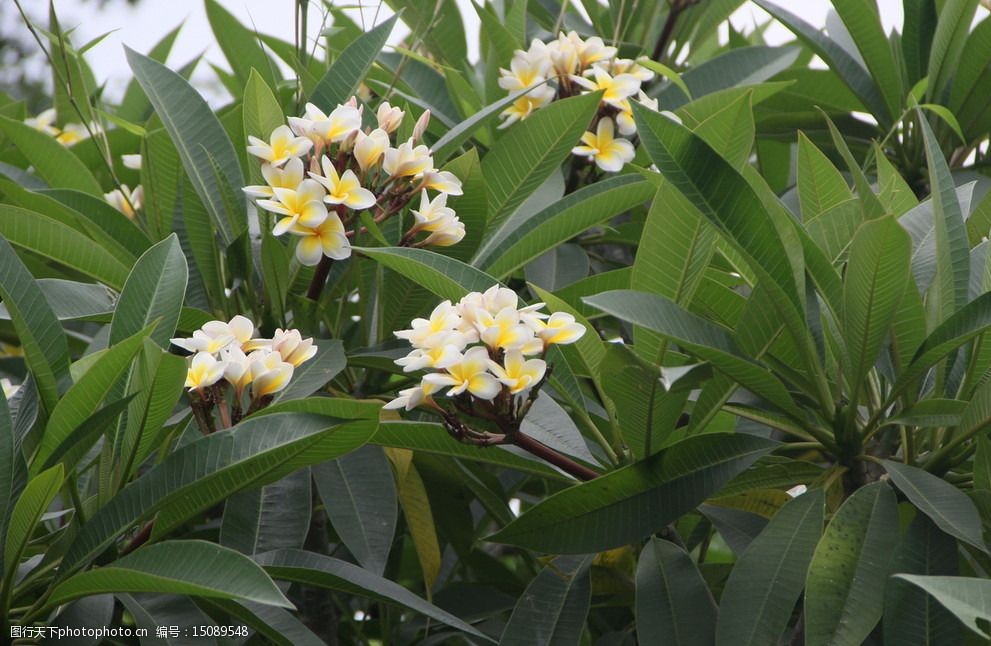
(545, 452)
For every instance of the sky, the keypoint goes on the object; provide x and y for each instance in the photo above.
(141, 25)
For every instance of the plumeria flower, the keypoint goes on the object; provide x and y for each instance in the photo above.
(343, 189)
(470, 374)
(420, 126)
(432, 214)
(430, 332)
(237, 368)
(369, 148)
(451, 233)
(302, 205)
(561, 329)
(204, 371)
(125, 200)
(410, 398)
(407, 160)
(592, 50)
(504, 330)
(9, 389)
(631, 67)
(281, 146)
(389, 117)
(131, 161)
(325, 239)
(73, 133)
(526, 70)
(518, 373)
(523, 107)
(440, 356)
(608, 152)
(269, 373)
(340, 124)
(624, 119)
(292, 347)
(214, 336)
(44, 122)
(442, 181)
(564, 55)
(614, 88)
(289, 176)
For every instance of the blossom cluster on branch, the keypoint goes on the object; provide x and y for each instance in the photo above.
(569, 66)
(321, 170)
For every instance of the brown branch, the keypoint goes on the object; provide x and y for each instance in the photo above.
(677, 7)
(544, 452)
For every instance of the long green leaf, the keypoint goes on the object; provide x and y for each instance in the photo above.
(343, 77)
(154, 291)
(272, 517)
(969, 599)
(863, 22)
(553, 608)
(198, 136)
(444, 276)
(630, 503)
(948, 42)
(767, 580)
(673, 602)
(844, 594)
(241, 46)
(198, 568)
(32, 503)
(52, 161)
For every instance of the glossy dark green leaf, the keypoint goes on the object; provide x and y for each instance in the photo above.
(272, 517)
(343, 77)
(553, 607)
(968, 598)
(673, 603)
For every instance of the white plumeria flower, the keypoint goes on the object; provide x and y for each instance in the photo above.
(125, 200)
(269, 373)
(524, 106)
(432, 214)
(470, 374)
(503, 331)
(289, 176)
(561, 329)
(614, 88)
(450, 233)
(343, 189)
(440, 356)
(518, 373)
(564, 55)
(204, 371)
(410, 398)
(325, 239)
(624, 119)
(44, 122)
(407, 160)
(237, 368)
(281, 146)
(442, 181)
(73, 133)
(389, 117)
(131, 161)
(420, 126)
(431, 332)
(369, 149)
(9, 389)
(302, 205)
(591, 51)
(532, 317)
(631, 67)
(526, 70)
(214, 336)
(337, 126)
(608, 152)
(292, 347)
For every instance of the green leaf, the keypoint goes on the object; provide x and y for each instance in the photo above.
(444, 276)
(768, 579)
(343, 77)
(272, 517)
(911, 617)
(698, 336)
(969, 599)
(444, 147)
(153, 610)
(951, 509)
(627, 504)
(9, 465)
(553, 608)
(52, 161)
(948, 42)
(673, 602)
(84, 397)
(326, 572)
(877, 275)
(837, 59)
(241, 46)
(198, 136)
(531, 150)
(845, 585)
(863, 22)
(359, 495)
(316, 373)
(32, 503)
(46, 351)
(103, 218)
(820, 185)
(588, 207)
(198, 568)
(61, 243)
(154, 292)
(200, 474)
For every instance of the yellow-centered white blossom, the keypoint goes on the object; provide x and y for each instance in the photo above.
(442, 181)
(561, 329)
(269, 373)
(325, 239)
(410, 398)
(440, 356)
(431, 332)
(303, 206)
(281, 147)
(343, 189)
(389, 117)
(470, 374)
(292, 347)
(369, 148)
(518, 373)
(44, 122)
(288, 176)
(316, 126)
(614, 88)
(125, 200)
(204, 371)
(407, 160)
(608, 151)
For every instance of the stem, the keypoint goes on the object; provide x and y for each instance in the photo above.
(677, 6)
(544, 452)
(139, 539)
(319, 278)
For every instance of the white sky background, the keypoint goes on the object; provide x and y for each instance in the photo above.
(142, 25)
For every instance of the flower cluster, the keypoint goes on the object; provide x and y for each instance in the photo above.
(322, 169)
(67, 135)
(483, 347)
(569, 66)
(228, 351)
